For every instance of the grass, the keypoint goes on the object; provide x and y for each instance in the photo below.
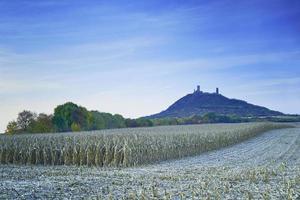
(124, 147)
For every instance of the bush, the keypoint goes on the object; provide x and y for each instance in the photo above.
(75, 127)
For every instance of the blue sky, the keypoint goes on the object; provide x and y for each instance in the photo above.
(137, 57)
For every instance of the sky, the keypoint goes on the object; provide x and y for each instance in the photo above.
(136, 58)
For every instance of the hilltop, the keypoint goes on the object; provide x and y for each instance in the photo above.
(200, 103)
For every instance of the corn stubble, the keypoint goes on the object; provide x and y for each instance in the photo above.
(124, 147)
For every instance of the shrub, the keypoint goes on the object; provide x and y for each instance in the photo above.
(75, 127)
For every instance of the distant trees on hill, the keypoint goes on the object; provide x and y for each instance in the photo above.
(197, 119)
(72, 117)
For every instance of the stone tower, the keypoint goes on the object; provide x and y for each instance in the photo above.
(217, 90)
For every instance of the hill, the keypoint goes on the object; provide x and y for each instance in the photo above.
(200, 103)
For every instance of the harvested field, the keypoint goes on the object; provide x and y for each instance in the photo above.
(264, 167)
(124, 147)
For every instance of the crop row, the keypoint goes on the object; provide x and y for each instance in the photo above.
(124, 147)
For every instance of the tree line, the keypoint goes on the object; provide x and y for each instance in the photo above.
(72, 117)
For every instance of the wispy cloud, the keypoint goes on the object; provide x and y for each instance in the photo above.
(146, 51)
(119, 58)
(20, 86)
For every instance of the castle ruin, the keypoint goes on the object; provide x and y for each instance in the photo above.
(197, 90)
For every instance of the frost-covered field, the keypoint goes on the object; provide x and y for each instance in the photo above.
(124, 147)
(264, 167)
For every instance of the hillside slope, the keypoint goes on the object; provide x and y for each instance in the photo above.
(199, 103)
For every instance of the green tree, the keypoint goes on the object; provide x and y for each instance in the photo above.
(143, 122)
(67, 114)
(209, 118)
(108, 120)
(131, 123)
(118, 121)
(25, 120)
(43, 124)
(96, 120)
(12, 128)
(75, 127)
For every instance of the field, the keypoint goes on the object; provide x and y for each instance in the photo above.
(266, 166)
(124, 147)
